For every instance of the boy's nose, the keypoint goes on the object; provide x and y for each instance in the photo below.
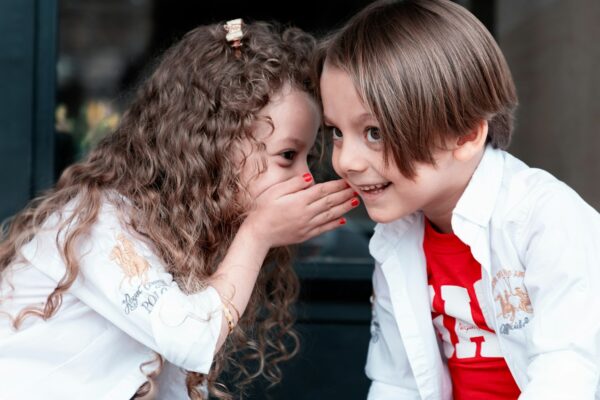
(348, 158)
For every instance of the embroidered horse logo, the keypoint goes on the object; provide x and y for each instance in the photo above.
(514, 305)
(511, 302)
(132, 264)
(525, 303)
(507, 309)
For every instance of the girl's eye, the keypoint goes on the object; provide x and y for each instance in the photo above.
(289, 154)
(373, 135)
(336, 133)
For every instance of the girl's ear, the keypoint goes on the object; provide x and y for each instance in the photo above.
(471, 144)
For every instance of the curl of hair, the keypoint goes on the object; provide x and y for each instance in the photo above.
(173, 158)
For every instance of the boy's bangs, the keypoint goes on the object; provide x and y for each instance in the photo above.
(428, 72)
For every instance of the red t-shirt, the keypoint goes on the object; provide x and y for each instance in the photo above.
(477, 367)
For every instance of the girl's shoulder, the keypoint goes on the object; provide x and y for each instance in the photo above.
(111, 218)
(113, 212)
(108, 230)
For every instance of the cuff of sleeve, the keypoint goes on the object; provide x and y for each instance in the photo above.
(187, 327)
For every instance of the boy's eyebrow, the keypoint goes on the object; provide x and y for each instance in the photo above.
(360, 118)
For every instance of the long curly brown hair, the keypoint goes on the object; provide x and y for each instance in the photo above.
(172, 157)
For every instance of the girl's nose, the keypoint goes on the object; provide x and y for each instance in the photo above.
(299, 169)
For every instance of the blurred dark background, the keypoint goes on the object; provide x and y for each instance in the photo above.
(69, 67)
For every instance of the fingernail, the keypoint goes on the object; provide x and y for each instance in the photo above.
(307, 177)
(355, 202)
(342, 221)
(355, 193)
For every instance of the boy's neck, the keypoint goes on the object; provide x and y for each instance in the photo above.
(441, 216)
(440, 213)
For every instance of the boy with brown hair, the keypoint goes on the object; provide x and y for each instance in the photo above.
(487, 275)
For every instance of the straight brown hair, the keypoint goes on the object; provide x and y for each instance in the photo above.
(428, 70)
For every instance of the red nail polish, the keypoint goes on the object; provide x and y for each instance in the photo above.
(354, 202)
(342, 221)
(307, 177)
(355, 193)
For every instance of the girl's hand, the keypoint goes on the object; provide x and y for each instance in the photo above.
(295, 210)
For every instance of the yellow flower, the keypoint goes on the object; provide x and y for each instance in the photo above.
(61, 122)
(96, 111)
(112, 122)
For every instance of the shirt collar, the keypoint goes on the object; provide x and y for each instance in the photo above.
(476, 205)
(387, 235)
(479, 198)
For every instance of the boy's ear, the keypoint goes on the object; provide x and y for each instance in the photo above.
(469, 145)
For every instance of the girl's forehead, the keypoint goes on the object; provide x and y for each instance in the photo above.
(291, 115)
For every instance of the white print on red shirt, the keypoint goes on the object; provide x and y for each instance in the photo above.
(461, 337)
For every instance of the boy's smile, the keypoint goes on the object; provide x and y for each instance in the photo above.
(373, 190)
(358, 157)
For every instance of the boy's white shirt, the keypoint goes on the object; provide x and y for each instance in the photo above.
(122, 309)
(529, 231)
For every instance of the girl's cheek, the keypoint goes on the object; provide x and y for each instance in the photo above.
(302, 168)
(335, 162)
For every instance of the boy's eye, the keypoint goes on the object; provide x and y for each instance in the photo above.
(336, 133)
(289, 154)
(373, 135)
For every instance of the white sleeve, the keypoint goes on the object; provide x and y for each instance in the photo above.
(171, 383)
(562, 260)
(124, 281)
(387, 363)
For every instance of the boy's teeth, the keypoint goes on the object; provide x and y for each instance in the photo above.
(373, 187)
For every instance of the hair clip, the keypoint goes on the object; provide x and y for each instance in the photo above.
(234, 34)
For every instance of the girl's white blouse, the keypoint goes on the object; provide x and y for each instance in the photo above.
(122, 309)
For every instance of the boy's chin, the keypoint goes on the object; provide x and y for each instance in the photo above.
(383, 217)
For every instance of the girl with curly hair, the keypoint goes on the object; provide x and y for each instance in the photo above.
(159, 261)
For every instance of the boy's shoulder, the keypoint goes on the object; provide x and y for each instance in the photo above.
(528, 192)
(520, 181)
